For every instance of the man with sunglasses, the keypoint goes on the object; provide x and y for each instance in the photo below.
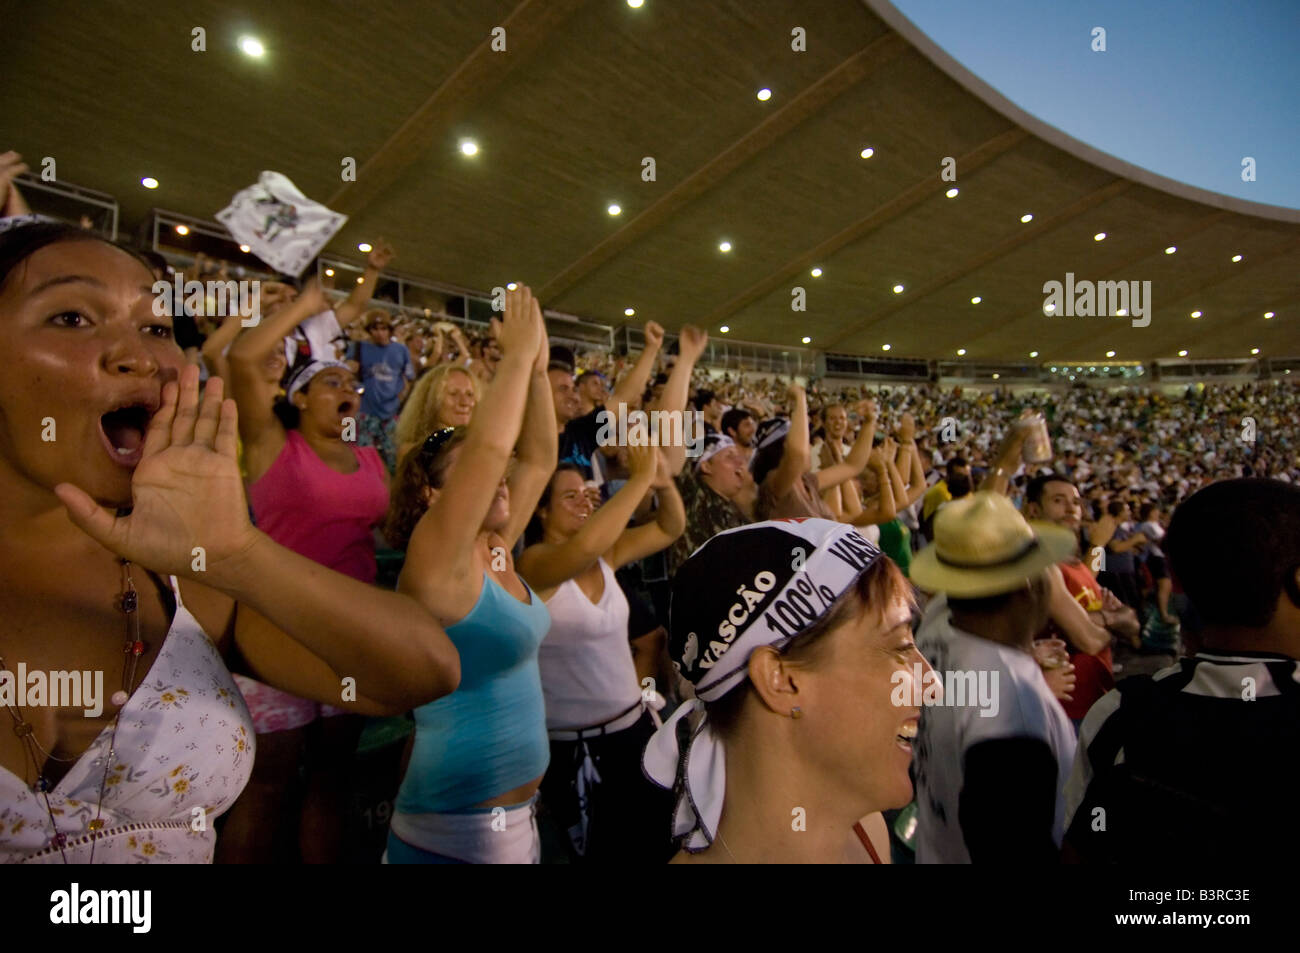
(386, 372)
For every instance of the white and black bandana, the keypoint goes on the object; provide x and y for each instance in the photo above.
(756, 585)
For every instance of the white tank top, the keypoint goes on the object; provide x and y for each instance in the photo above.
(184, 741)
(586, 661)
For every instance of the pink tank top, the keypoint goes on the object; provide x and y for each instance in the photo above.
(327, 516)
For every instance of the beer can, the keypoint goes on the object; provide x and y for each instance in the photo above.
(1038, 445)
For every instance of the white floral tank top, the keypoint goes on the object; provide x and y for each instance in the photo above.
(184, 752)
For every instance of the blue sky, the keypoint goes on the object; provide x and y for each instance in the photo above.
(1186, 88)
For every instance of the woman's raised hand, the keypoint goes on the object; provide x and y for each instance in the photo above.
(519, 330)
(189, 515)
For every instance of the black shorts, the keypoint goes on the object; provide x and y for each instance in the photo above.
(1156, 566)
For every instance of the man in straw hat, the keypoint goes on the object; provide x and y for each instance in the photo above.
(990, 777)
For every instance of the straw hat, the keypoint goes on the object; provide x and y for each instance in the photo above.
(984, 547)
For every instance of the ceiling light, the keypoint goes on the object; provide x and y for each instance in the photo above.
(149, 182)
(1049, 307)
(961, 352)
(1254, 350)
(1122, 313)
(952, 193)
(614, 208)
(1053, 370)
(629, 311)
(469, 147)
(996, 376)
(976, 300)
(1171, 249)
(1196, 314)
(764, 94)
(251, 45)
(635, 4)
(724, 329)
(364, 247)
(512, 286)
(329, 272)
(1099, 237)
(884, 347)
(1106, 369)
(245, 249)
(1033, 353)
(1110, 353)
(1269, 314)
(724, 246)
(807, 340)
(898, 289)
(182, 230)
(1071, 377)
(867, 153)
(1182, 353)
(816, 272)
(1236, 258)
(1027, 217)
(361, 281)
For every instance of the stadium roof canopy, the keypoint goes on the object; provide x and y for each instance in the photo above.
(584, 91)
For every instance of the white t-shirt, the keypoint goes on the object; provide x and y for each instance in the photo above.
(1024, 708)
(816, 451)
(320, 331)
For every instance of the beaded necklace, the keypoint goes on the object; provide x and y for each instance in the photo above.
(131, 651)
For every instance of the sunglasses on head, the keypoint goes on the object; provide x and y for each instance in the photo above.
(436, 440)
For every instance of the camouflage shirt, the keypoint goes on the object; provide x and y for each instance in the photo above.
(707, 514)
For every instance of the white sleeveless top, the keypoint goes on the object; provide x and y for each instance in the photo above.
(184, 741)
(586, 660)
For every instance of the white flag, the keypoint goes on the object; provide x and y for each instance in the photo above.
(283, 227)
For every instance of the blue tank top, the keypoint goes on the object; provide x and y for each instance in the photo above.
(489, 735)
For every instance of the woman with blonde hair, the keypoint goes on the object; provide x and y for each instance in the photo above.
(444, 397)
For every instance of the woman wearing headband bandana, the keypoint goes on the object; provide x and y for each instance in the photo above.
(459, 506)
(314, 490)
(796, 637)
(99, 412)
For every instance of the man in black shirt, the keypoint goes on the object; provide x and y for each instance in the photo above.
(1198, 762)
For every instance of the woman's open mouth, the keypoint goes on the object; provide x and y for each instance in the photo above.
(123, 431)
(346, 408)
(907, 735)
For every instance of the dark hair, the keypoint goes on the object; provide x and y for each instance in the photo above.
(545, 499)
(955, 463)
(766, 459)
(703, 398)
(1034, 492)
(733, 418)
(1115, 507)
(1235, 546)
(871, 592)
(1145, 511)
(418, 471)
(19, 244)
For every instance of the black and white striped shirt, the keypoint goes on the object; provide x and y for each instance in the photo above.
(1199, 761)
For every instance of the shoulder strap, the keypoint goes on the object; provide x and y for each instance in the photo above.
(866, 841)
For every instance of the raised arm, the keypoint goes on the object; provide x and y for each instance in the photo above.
(690, 345)
(632, 385)
(539, 442)
(796, 455)
(884, 508)
(1007, 461)
(439, 558)
(354, 305)
(670, 522)
(546, 565)
(856, 461)
(257, 423)
(215, 346)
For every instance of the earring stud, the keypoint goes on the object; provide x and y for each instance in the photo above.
(796, 712)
